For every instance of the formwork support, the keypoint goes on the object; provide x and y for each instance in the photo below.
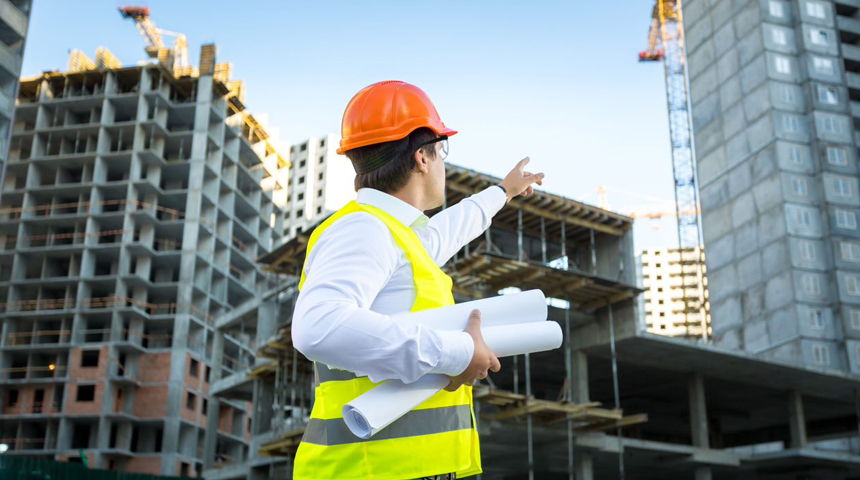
(796, 419)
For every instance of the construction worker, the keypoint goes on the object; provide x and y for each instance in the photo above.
(380, 255)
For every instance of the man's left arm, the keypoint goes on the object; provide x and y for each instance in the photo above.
(454, 227)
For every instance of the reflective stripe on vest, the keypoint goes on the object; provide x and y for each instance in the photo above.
(416, 422)
(437, 437)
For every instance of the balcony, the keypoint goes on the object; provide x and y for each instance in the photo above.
(849, 29)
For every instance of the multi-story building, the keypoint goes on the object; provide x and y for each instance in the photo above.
(134, 207)
(14, 22)
(663, 271)
(321, 181)
(772, 85)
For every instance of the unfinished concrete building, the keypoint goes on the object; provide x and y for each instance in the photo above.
(134, 206)
(14, 22)
(321, 181)
(773, 85)
(663, 298)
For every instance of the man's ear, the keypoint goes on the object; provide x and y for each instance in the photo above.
(422, 163)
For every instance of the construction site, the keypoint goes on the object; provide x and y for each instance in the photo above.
(153, 234)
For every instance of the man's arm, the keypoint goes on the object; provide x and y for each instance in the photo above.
(350, 263)
(454, 227)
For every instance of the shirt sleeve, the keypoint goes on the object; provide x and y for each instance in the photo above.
(347, 268)
(449, 230)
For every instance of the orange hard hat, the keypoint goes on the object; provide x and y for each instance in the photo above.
(388, 111)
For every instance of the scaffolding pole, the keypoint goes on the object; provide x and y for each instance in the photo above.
(593, 253)
(615, 389)
(516, 374)
(529, 420)
(520, 235)
(543, 240)
(568, 365)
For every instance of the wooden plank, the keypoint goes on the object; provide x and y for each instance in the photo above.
(588, 307)
(612, 424)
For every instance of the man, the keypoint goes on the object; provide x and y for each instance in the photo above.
(378, 256)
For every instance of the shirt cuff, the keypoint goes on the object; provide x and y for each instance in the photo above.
(457, 351)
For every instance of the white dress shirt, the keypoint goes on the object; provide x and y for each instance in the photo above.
(356, 276)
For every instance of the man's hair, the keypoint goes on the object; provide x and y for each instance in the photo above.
(395, 173)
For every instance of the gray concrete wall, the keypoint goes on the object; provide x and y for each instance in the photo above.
(777, 163)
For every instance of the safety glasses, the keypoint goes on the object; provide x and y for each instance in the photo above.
(441, 152)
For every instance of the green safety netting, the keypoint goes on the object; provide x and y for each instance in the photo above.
(26, 468)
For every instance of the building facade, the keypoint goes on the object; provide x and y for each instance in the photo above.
(772, 85)
(14, 22)
(134, 206)
(321, 181)
(662, 270)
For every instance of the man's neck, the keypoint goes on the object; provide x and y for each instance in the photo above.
(411, 195)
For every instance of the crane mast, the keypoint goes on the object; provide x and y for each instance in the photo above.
(666, 43)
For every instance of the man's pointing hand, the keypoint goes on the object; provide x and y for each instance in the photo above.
(519, 182)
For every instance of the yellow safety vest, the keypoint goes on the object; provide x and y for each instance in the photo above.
(437, 437)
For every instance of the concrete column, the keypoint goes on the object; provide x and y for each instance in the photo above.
(703, 473)
(796, 419)
(580, 377)
(267, 320)
(214, 405)
(584, 466)
(698, 410)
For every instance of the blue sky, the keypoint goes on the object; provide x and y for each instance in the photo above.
(557, 81)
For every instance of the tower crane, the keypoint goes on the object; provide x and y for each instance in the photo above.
(155, 47)
(666, 43)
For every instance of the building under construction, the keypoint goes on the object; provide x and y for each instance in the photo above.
(151, 238)
(615, 402)
(135, 203)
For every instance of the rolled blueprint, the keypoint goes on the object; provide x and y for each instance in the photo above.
(523, 307)
(510, 340)
(378, 408)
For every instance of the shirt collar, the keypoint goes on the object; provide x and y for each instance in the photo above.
(397, 208)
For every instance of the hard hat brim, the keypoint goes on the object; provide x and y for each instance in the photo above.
(391, 134)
